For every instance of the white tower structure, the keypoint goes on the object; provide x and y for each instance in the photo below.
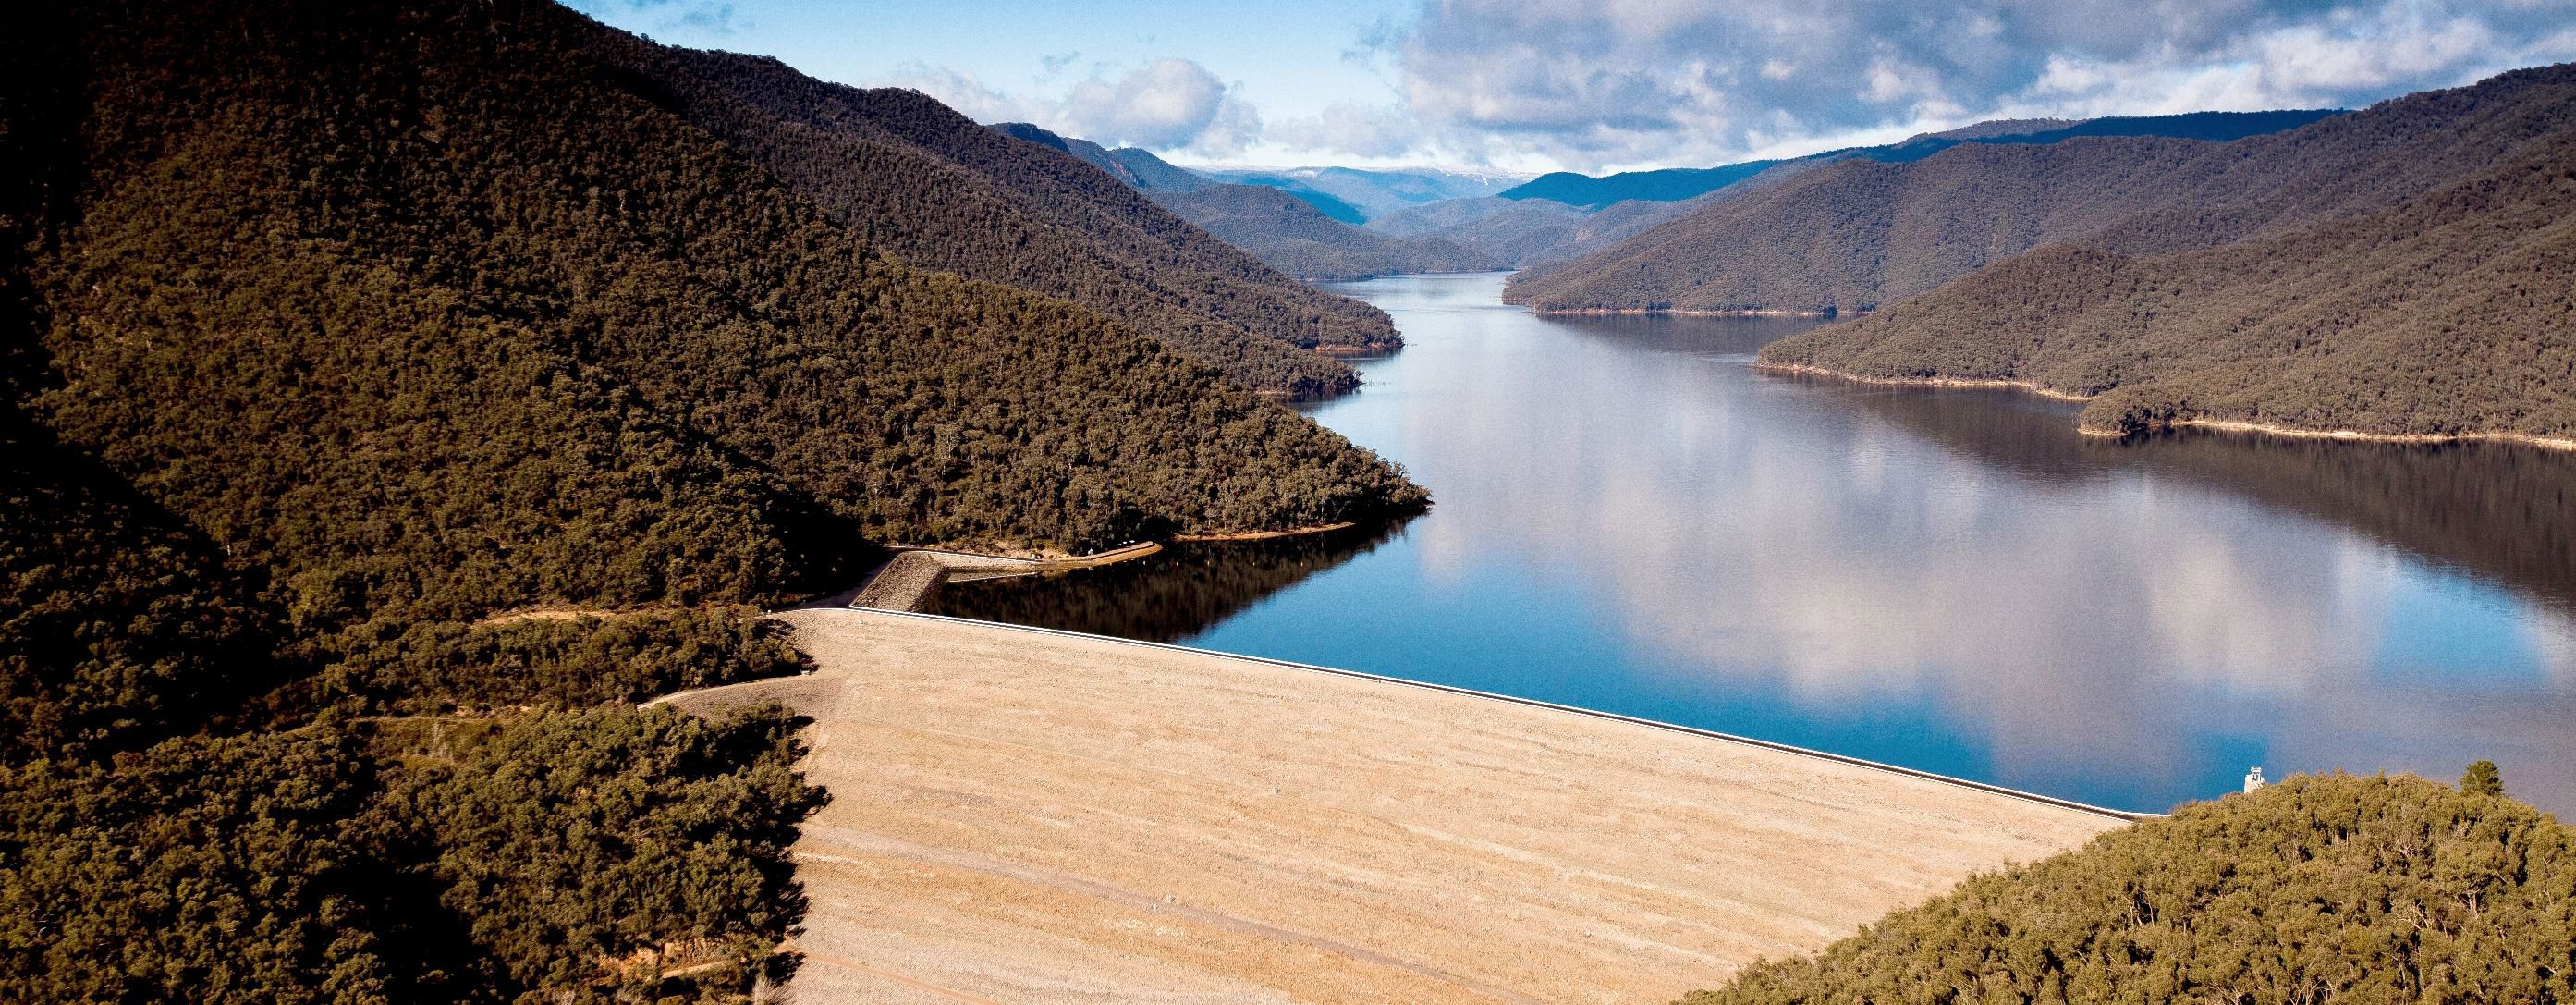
(2253, 778)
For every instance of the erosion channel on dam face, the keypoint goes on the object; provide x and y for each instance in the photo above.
(1632, 519)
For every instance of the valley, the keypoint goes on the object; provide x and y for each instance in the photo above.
(590, 503)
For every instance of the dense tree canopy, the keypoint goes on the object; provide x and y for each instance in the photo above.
(328, 332)
(2317, 889)
(912, 177)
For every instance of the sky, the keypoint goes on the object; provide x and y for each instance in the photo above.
(1600, 85)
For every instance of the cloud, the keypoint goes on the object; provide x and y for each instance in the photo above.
(1168, 104)
(1348, 128)
(1596, 82)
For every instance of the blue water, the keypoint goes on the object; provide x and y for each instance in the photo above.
(1631, 518)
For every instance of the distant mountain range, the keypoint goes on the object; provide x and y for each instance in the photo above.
(1295, 238)
(1282, 219)
(1564, 216)
(1366, 193)
(1675, 184)
(1852, 233)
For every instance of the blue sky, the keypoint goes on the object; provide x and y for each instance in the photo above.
(1593, 85)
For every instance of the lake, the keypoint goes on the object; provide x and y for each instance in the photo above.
(1631, 518)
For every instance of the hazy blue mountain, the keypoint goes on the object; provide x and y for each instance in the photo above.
(1292, 236)
(1523, 233)
(1377, 192)
(1666, 185)
(1324, 202)
(1286, 229)
(1370, 192)
(1414, 221)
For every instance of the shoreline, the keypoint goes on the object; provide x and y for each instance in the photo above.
(1748, 312)
(912, 575)
(1343, 350)
(2348, 435)
(1030, 815)
(2213, 425)
(1265, 535)
(2029, 387)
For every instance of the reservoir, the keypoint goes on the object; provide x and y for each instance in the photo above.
(1631, 518)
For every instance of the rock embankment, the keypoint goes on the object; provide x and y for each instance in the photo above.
(905, 581)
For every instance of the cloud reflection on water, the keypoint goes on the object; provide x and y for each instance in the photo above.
(1632, 519)
(2080, 606)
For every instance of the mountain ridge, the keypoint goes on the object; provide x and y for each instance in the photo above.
(2446, 317)
(1279, 226)
(1857, 234)
(925, 183)
(1287, 232)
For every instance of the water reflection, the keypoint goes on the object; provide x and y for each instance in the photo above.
(1166, 597)
(1631, 518)
(2501, 512)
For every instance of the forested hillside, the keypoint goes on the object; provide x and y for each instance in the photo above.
(2450, 315)
(1295, 238)
(910, 176)
(330, 330)
(2318, 889)
(1861, 234)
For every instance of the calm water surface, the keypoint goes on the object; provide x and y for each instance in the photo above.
(1630, 518)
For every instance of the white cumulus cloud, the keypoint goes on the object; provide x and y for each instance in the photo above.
(1611, 82)
(1168, 104)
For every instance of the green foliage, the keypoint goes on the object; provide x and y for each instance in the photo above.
(219, 871)
(119, 624)
(2312, 890)
(437, 667)
(583, 851)
(914, 178)
(2482, 779)
(327, 330)
(571, 855)
(430, 312)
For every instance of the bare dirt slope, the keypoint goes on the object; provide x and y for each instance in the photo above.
(1028, 818)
